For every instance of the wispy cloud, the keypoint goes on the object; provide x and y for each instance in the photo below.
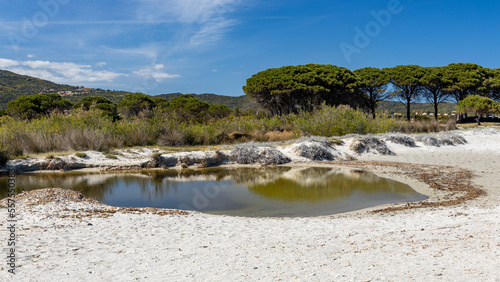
(59, 72)
(186, 11)
(207, 19)
(155, 71)
(103, 22)
(211, 32)
(149, 51)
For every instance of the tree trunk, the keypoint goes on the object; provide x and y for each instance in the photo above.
(408, 110)
(478, 120)
(435, 110)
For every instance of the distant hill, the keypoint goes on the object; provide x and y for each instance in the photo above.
(13, 86)
(242, 102)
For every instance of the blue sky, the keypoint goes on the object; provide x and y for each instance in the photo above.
(202, 46)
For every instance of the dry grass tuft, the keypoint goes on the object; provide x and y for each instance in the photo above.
(278, 136)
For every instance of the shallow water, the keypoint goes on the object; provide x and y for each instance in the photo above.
(255, 192)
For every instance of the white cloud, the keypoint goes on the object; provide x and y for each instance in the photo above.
(155, 71)
(150, 51)
(186, 11)
(31, 56)
(211, 32)
(100, 64)
(207, 19)
(59, 72)
(6, 63)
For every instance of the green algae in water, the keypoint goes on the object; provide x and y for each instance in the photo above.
(254, 192)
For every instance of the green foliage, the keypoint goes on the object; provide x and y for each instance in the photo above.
(342, 120)
(406, 80)
(105, 105)
(218, 111)
(161, 103)
(290, 89)
(373, 82)
(134, 103)
(478, 105)
(80, 155)
(434, 82)
(465, 79)
(187, 107)
(241, 102)
(29, 107)
(493, 84)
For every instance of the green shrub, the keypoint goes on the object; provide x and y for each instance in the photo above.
(81, 155)
(32, 106)
(111, 156)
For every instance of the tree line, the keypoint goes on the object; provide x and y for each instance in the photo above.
(291, 89)
(184, 108)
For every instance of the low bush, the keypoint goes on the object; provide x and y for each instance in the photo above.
(81, 155)
(111, 156)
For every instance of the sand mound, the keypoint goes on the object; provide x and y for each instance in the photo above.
(445, 139)
(401, 139)
(49, 195)
(316, 151)
(428, 140)
(251, 154)
(451, 139)
(370, 144)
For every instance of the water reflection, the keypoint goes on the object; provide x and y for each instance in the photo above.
(270, 191)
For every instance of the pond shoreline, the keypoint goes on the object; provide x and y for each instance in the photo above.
(456, 241)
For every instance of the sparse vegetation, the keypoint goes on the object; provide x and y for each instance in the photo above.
(81, 155)
(88, 130)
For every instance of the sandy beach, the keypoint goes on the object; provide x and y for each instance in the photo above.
(68, 239)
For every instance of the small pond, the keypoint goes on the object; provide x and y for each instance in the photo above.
(254, 192)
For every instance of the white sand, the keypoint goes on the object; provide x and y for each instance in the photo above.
(460, 243)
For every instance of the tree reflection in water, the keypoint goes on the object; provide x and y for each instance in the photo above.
(271, 187)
